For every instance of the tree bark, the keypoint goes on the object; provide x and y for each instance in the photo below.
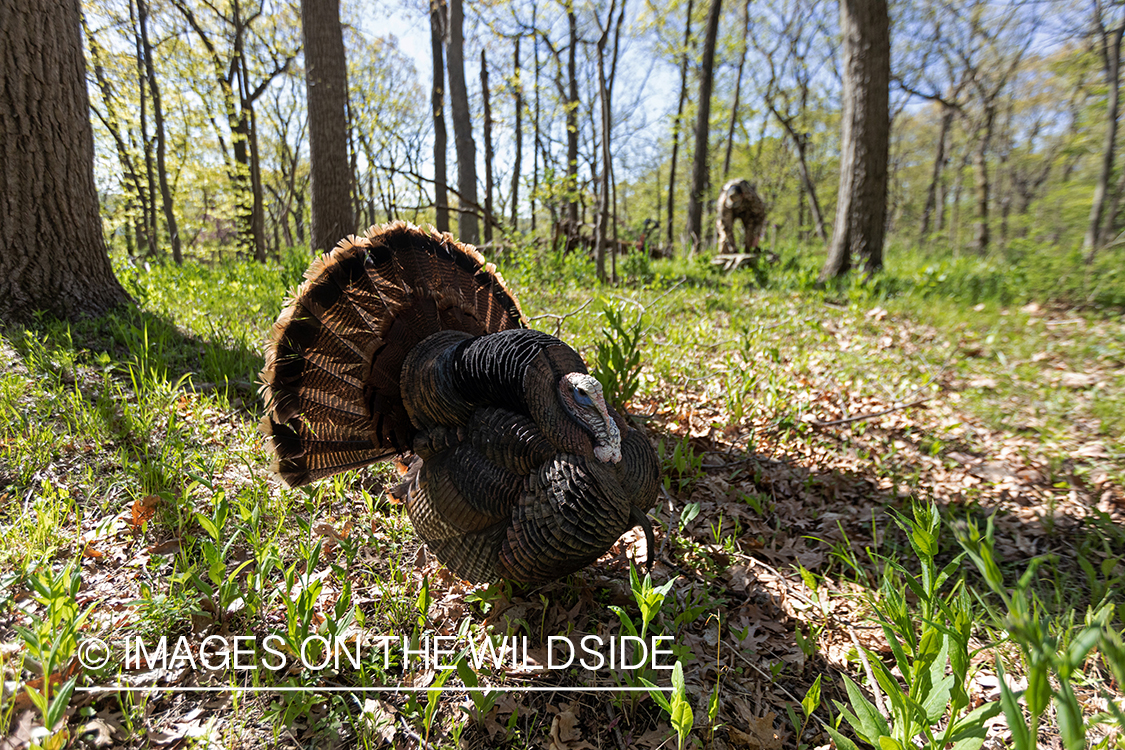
(700, 172)
(489, 187)
(517, 92)
(161, 141)
(52, 253)
(1111, 68)
(326, 81)
(981, 180)
(676, 124)
(437, 103)
(940, 158)
(467, 224)
(148, 200)
(862, 204)
(572, 124)
(602, 240)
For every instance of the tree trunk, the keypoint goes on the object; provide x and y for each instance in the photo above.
(489, 187)
(700, 171)
(326, 83)
(572, 124)
(862, 204)
(518, 95)
(982, 184)
(939, 166)
(467, 224)
(437, 103)
(737, 89)
(161, 145)
(52, 253)
(676, 124)
(1111, 67)
(606, 125)
(148, 200)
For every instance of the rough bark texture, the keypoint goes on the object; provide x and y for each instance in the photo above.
(700, 171)
(327, 84)
(862, 205)
(437, 103)
(676, 132)
(737, 89)
(52, 252)
(467, 224)
(489, 187)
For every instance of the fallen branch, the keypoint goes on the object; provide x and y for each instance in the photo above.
(861, 417)
(560, 318)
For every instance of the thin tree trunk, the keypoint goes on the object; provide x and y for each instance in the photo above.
(981, 179)
(52, 253)
(700, 172)
(602, 239)
(437, 104)
(1111, 66)
(326, 82)
(737, 89)
(148, 201)
(467, 224)
(676, 125)
(865, 139)
(572, 125)
(489, 187)
(518, 95)
(161, 145)
(940, 158)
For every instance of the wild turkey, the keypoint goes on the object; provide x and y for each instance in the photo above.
(405, 343)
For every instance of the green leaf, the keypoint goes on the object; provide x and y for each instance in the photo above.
(1009, 701)
(1069, 714)
(935, 703)
(811, 701)
(1081, 646)
(868, 723)
(842, 742)
(890, 743)
(60, 703)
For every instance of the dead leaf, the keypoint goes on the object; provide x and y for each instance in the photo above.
(143, 510)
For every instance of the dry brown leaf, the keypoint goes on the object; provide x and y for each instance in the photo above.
(143, 510)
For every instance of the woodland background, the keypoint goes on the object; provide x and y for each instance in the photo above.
(892, 511)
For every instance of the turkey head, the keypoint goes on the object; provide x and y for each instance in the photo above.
(405, 343)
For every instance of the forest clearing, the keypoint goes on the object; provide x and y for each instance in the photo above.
(847, 468)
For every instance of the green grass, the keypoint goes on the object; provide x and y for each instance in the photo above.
(157, 408)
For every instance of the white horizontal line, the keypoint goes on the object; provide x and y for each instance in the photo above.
(290, 689)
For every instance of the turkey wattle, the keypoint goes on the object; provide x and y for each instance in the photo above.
(406, 342)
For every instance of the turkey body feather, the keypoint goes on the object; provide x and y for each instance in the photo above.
(406, 343)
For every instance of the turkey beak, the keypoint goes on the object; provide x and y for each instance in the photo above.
(638, 517)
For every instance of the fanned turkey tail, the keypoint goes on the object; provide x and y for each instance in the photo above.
(331, 380)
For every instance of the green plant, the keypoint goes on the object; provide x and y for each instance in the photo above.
(617, 357)
(51, 641)
(809, 704)
(1046, 658)
(676, 706)
(925, 646)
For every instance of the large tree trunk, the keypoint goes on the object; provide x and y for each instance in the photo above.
(161, 144)
(489, 187)
(52, 252)
(676, 124)
(518, 94)
(467, 224)
(326, 81)
(940, 158)
(865, 138)
(437, 103)
(1111, 67)
(700, 171)
(572, 125)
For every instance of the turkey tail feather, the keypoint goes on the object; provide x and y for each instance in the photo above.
(331, 380)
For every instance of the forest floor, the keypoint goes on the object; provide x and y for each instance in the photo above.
(874, 498)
